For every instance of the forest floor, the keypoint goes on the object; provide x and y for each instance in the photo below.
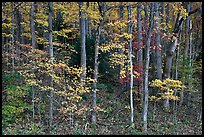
(113, 115)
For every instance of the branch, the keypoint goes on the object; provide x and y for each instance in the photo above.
(178, 23)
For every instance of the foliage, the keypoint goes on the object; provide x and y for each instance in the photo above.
(167, 85)
(16, 101)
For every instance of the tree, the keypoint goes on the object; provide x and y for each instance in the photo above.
(12, 38)
(158, 45)
(140, 50)
(174, 40)
(51, 61)
(173, 44)
(102, 10)
(147, 58)
(34, 47)
(82, 41)
(130, 59)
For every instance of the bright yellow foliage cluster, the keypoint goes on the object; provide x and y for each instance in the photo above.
(167, 85)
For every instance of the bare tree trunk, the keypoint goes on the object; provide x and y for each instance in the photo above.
(121, 12)
(96, 62)
(147, 58)
(33, 46)
(190, 64)
(12, 56)
(130, 59)
(186, 49)
(87, 22)
(18, 21)
(51, 60)
(176, 74)
(167, 23)
(7, 52)
(159, 48)
(140, 51)
(83, 42)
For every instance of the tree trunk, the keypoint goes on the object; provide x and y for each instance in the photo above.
(33, 46)
(172, 47)
(83, 42)
(167, 23)
(140, 51)
(96, 62)
(51, 61)
(147, 58)
(159, 48)
(87, 28)
(12, 56)
(190, 64)
(130, 59)
(186, 49)
(18, 21)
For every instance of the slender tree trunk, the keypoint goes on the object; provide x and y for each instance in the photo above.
(147, 58)
(96, 62)
(140, 51)
(121, 39)
(51, 59)
(130, 59)
(87, 21)
(33, 46)
(12, 56)
(190, 64)
(18, 20)
(186, 49)
(22, 31)
(167, 23)
(159, 48)
(7, 52)
(83, 42)
(176, 74)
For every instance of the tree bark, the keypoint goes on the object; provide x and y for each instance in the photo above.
(147, 58)
(32, 23)
(102, 6)
(140, 51)
(18, 33)
(186, 48)
(83, 42)
(190, 63)
(12, 38)
(130, 59)
(159, 48)
(51, 60)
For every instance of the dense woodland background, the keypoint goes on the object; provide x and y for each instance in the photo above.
(101, 68)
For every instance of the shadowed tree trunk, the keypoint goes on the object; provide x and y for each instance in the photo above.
(102, 10)
(12, 38)
(159, 48)
(83, 42)
(186, 49)
(140, 51)
(147, 58)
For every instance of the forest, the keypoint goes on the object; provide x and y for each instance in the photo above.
(101, 68)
